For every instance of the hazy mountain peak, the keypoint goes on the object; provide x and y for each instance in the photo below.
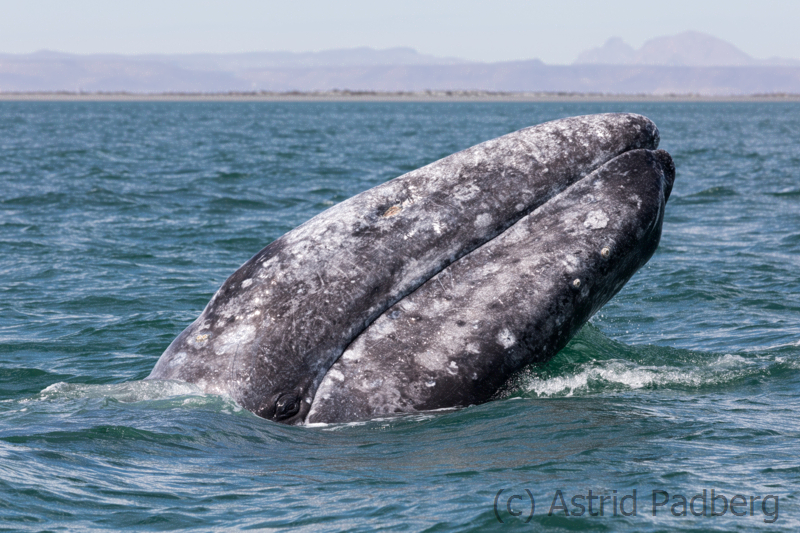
(691, 48)
(687, 49)
(614, 52)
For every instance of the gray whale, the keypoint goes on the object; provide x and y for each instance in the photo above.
(274, 329)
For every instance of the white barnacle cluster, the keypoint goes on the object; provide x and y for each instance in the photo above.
(483, 220)
(596, 219)
(177, 360)
(571, 263)
(336, 375)
(233, 338)
(506, 338)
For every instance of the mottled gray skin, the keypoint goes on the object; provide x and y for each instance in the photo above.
(274, 328)
(514, 301)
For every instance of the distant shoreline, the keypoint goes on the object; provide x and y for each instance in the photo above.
(381, 96)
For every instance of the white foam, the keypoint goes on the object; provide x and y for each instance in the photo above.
(131, 391)
(599, 376)
(730, 360)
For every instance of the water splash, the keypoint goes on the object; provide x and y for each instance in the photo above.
(131, 391)
(593, 364)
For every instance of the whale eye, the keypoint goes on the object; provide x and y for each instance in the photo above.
(287, 406)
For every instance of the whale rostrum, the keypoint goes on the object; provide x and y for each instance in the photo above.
(274, 329)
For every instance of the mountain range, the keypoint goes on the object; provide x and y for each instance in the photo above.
(687, 63)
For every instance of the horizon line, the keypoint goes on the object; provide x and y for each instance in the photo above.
(384, 96)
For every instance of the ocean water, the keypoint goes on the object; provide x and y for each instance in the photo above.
(118, 221)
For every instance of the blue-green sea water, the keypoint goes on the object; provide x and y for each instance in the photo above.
(118, 221)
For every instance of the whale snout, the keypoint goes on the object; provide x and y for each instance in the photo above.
(668, 168)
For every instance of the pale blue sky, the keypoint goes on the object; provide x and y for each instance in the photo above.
(555, 31)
